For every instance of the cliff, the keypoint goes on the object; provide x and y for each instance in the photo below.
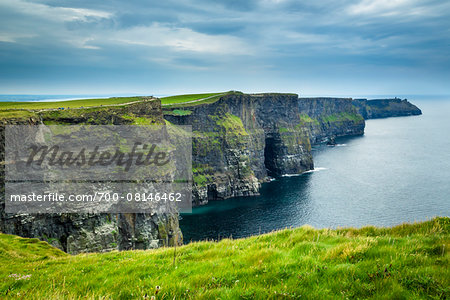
(327, 118)
(239, 141)
(242, 140)
(384, 108)
(75, 233)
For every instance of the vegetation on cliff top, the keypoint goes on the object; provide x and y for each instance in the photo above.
(38, 105)
(16, 114)
(186, 98)
(193, 99)
(60, 109)
(24, 110)
(403, 262)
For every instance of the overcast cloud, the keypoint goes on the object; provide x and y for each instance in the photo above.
(351, 47)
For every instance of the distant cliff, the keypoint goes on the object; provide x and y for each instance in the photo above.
(242, 140)
(384, 108)
(327, 118)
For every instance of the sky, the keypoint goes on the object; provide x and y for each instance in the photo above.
(166, 47)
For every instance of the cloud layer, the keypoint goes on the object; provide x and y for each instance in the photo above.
(355, 47)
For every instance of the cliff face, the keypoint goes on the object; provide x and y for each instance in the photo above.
(241, 140)
(384, 108)
(75, 233)
(327, 118)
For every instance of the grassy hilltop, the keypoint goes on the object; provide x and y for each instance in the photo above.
(38, 105)
(403, 262)
(24, 110)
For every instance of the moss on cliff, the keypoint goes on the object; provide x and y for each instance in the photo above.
(232, 124)
(342, 117)
(177, 112)
(293, 138)
(134, 120)
(205, 142)
(222, 138)
(305, 119)
(202, 174)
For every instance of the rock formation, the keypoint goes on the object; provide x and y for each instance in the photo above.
(384, 108)
(239, 142)
(75, 233)
(242, 140)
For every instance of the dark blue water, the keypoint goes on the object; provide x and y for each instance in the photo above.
(399, 171)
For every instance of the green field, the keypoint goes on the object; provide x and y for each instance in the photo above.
(195, 99)
(27, 110)
(403, 262)
(187, 98)
(12, 107)
(37, 105)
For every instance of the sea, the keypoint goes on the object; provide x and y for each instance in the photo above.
(398, 171)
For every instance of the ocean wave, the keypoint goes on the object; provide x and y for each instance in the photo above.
(310, 171)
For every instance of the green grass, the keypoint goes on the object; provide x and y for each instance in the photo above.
(185, 98)
(70, 103)
(16, 114)
(409, 261)
(180, 101)
(22, 109)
